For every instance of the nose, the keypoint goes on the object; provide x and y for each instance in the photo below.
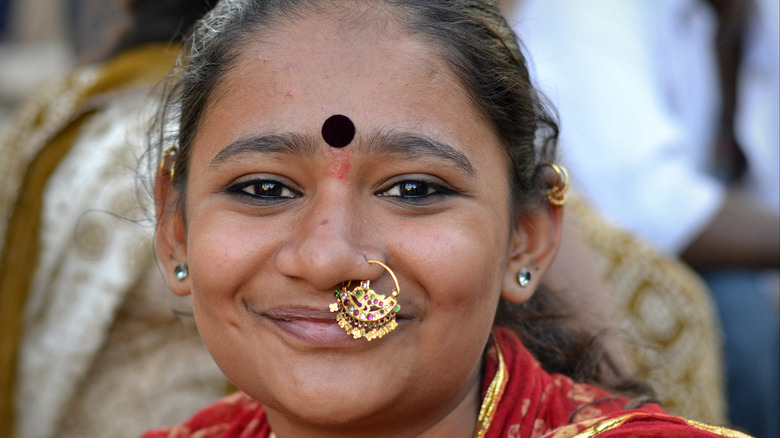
(328, 245)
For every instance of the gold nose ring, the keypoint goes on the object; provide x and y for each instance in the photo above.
(364, 313)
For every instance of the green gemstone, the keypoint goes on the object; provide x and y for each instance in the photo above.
(373, 296)
(337, 293)
(359, 293)
(397, 308)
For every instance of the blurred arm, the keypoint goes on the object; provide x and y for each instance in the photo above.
(742, 233)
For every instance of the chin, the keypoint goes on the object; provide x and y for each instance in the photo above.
(329, 408)
(326, 392)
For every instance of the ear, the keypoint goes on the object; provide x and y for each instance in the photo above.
(171, 235)
(534, 244)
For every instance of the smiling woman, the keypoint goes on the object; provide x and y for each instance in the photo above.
(441, 192)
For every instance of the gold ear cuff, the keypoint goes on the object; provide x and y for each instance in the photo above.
(556, 194)
(169, 161)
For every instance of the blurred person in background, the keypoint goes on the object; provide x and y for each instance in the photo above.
(4, 5)
(669, 124)
(88, 337)
(33, 50)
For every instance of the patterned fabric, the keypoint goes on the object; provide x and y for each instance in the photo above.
(87, 336)
(667, 316)
(534, 404)
(20, 146)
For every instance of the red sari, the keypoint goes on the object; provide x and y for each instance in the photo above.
(521, 400)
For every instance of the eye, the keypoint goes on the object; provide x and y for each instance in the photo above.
(412, 189)
(415, 190)
(266, 190)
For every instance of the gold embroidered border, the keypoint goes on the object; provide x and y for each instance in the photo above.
(612, 423)
(719, 430)
(603, 426)
(493, 396)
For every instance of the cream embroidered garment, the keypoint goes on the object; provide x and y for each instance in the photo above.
(667, 315)
(99, 343)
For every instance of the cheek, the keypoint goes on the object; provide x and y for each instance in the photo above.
(224, 253)
(460, 273)
(462, 270)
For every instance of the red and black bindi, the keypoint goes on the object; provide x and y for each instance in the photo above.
(338, 131)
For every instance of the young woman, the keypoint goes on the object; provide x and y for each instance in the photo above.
(360, 198)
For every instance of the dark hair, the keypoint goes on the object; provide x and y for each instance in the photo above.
(483, 54)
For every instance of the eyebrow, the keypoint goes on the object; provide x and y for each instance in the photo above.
(269, 144)
(404, 144)
(410, 145)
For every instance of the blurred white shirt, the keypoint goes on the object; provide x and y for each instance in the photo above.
(636, 86)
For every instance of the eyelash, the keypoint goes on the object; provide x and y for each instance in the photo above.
(432, 190)
(264, 190)
(270, 191)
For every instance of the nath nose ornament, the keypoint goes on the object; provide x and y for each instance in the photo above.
(364, 313)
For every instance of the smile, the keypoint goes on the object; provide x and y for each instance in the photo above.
(309, 326)
(313, 327)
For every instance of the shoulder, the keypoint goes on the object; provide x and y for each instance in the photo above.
(233, 416)
(642, 424)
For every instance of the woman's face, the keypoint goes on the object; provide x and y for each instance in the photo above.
(277, 219)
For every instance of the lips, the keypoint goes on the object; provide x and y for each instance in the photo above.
(307, 325)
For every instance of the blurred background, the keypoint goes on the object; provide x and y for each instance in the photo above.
(34, 48)
(41, 40)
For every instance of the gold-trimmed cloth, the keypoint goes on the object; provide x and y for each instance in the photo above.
(532, 404)
(32, 148)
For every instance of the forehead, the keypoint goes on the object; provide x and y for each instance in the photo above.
(295, 75)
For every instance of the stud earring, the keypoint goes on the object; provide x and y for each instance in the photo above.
(524, 277)
(556, 194)
(364, 313)
(181, 271)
